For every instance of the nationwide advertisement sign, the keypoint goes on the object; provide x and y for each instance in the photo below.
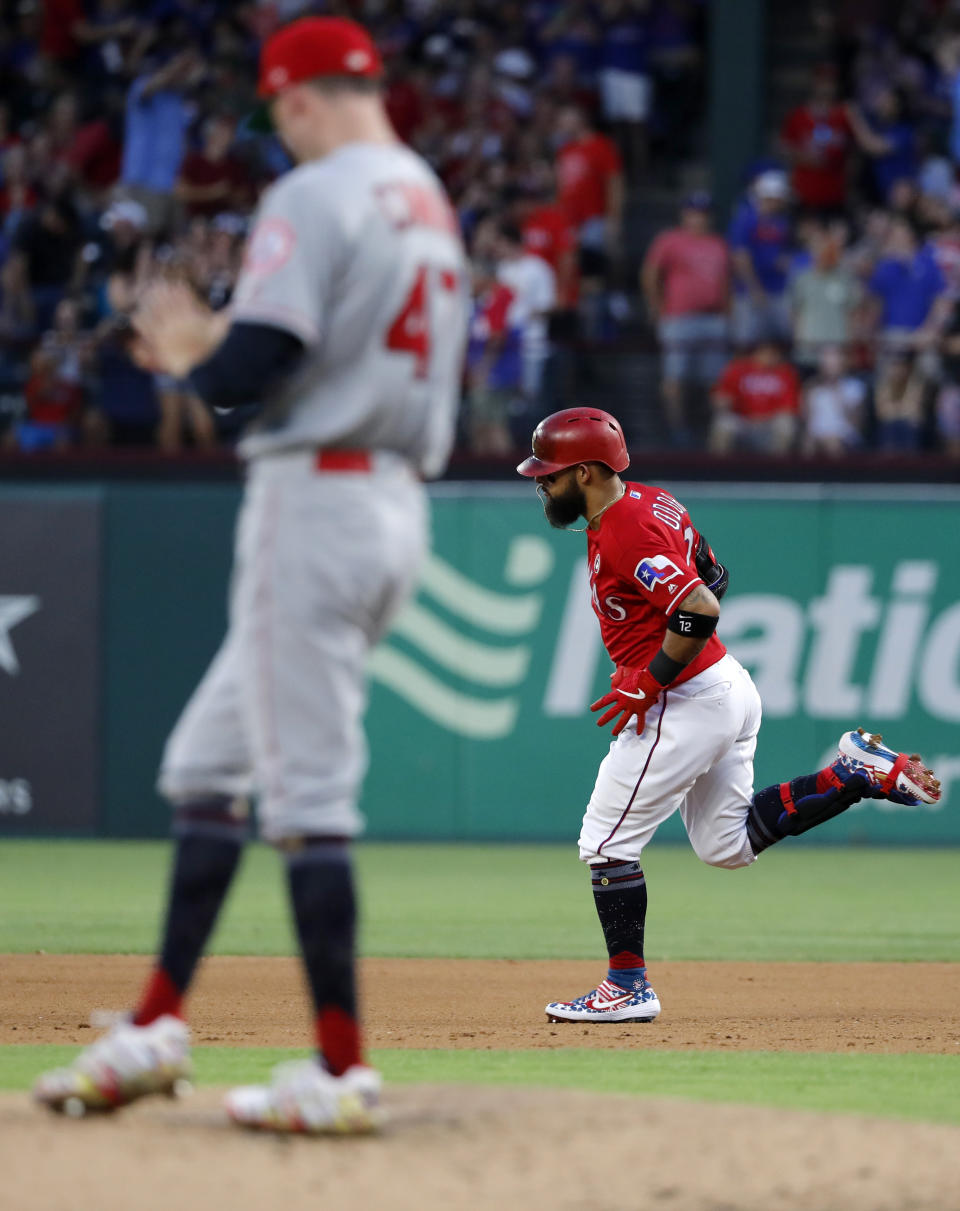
(844, 606)
(50, 578)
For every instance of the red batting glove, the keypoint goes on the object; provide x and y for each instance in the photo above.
(633, 693)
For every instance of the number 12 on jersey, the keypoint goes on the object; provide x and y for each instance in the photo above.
(410, 331)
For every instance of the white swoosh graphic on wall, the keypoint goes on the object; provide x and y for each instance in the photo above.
(456, 712)
(478, 662)
(505, 615)
(473, 662)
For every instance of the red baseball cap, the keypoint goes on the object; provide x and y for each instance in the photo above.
(316, 46)
(310, 48)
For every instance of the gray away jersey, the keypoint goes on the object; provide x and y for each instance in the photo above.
(359, 256)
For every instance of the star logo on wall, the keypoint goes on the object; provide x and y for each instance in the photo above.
(12, 611)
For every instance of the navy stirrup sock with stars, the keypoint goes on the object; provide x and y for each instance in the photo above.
(620, 895)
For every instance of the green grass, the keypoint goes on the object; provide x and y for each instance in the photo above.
(922, 1087)
(507, 902)
(519, 901)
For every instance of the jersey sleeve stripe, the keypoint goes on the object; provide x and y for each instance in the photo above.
(682, 593)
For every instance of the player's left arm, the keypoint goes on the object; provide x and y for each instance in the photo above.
(634, 691)
(179, 330)
(226, 363)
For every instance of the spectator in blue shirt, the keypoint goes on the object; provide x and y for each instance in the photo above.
(572, 31)
(126, 409)
(625, 86)
(888, 139)
(676, 65)
(155, 135)
(911, 299)
(761, 242)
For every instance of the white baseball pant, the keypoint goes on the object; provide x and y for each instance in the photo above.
(323, 560)
(695, 756)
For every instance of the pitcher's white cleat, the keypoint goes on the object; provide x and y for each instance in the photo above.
(304, 1098)
(127, 1063)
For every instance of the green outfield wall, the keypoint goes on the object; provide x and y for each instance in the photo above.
(844, 604)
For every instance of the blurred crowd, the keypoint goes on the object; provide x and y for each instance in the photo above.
(822, 317)
(825, 317)
(125, 152)
(120, 158)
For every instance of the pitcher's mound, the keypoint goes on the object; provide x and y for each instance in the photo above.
(463, 1147)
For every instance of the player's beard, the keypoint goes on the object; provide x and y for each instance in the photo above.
(563, 508)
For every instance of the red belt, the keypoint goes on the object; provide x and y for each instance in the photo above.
(343, 460)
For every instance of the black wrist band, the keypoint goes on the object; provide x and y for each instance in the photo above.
(664, 668)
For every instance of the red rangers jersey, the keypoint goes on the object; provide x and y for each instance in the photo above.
(641, 568)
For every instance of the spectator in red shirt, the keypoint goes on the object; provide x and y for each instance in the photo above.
(590, 179)
(211, 180)
(548, 232)
(686, 278)
(817, 140)
(54, 392)
(93, 155)
(494, 366)
(756, 403)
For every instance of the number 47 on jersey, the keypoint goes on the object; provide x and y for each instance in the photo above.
(410, 330)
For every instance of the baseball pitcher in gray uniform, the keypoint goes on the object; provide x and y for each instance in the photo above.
(348, 323)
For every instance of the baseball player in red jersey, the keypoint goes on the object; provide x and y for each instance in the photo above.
(685, 713)
(347, 326)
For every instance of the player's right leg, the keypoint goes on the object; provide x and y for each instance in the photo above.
(729, 824)
(205, 775)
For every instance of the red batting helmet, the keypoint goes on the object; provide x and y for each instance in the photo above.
(576, 435)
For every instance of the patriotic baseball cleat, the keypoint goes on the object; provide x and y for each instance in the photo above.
(891, 775)
(304, 1098)
(608, 1003)
(127, 1063)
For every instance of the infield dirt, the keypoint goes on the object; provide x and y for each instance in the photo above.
(490, 1003)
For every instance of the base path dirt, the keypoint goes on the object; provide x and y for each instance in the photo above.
(484, 1004)
(466, 1149)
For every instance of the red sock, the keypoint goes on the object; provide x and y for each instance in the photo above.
(160, 996)
(338, 1038)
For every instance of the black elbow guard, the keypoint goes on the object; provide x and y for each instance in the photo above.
(713, 574)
